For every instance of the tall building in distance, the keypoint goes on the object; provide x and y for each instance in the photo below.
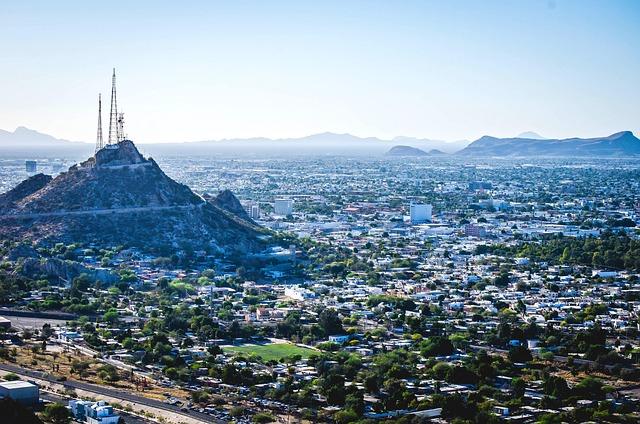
(254, 211)
(31, 165)
(475, 230)
(420, 213)
(283, 207)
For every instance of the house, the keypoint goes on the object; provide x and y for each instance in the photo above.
(339, 338)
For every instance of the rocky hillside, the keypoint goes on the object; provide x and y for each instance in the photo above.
(119, 197)
(22, 190)
(229, 202)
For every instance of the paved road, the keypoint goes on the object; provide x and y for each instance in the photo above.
(34, 323)
(107, 391)
(98, 211)
(128, 418)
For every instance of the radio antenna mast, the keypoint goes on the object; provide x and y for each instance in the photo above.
(99, 140)
(113, 116)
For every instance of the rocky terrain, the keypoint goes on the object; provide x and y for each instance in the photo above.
(227, 201)
(22, 190)
(119, 197)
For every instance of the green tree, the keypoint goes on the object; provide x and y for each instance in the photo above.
(520, 354)
(518, 386)
(57, 413)
(111, 316)
(330, 322)
(346, 416)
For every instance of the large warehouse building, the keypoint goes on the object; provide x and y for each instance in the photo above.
(20, 391)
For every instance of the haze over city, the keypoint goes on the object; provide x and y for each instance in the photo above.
(212, 70)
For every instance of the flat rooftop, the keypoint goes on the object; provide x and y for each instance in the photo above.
(18, 384)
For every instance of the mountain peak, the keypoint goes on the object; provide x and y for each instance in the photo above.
(531, 135)
(123, 153)
(119, 197)
(621, 134)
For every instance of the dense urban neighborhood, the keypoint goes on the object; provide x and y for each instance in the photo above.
(392, 290)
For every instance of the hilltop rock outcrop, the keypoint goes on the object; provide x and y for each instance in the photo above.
(119, 197)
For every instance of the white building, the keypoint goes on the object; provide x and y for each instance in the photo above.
(604, 274)
(283, 207)
(254, 212)
(93, 412)
(339, 338)
(298, 293)
(21, 391)
(69, 336)
(420, 213)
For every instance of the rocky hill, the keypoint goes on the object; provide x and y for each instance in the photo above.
(403, 151)
(119, 197)
(406, 151)
(22, 190)
(229, 202)
(620, 144)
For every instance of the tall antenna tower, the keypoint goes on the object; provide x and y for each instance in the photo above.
(99, 140)
(113, 116)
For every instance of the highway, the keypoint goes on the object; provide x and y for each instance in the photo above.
(111, 392)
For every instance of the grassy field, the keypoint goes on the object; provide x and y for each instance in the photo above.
(272, 351)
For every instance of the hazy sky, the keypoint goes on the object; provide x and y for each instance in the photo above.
(191, 70)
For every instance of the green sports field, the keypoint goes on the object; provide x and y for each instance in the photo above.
(272, 351)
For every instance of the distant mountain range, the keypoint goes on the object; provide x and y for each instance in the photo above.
(24, 142)
(324, 143)
(412, 151)
(25, 137)
(616, 145)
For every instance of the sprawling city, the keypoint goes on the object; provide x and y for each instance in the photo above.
(322, 279)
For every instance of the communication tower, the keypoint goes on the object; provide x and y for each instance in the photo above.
(99, 140)
(113, 116)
